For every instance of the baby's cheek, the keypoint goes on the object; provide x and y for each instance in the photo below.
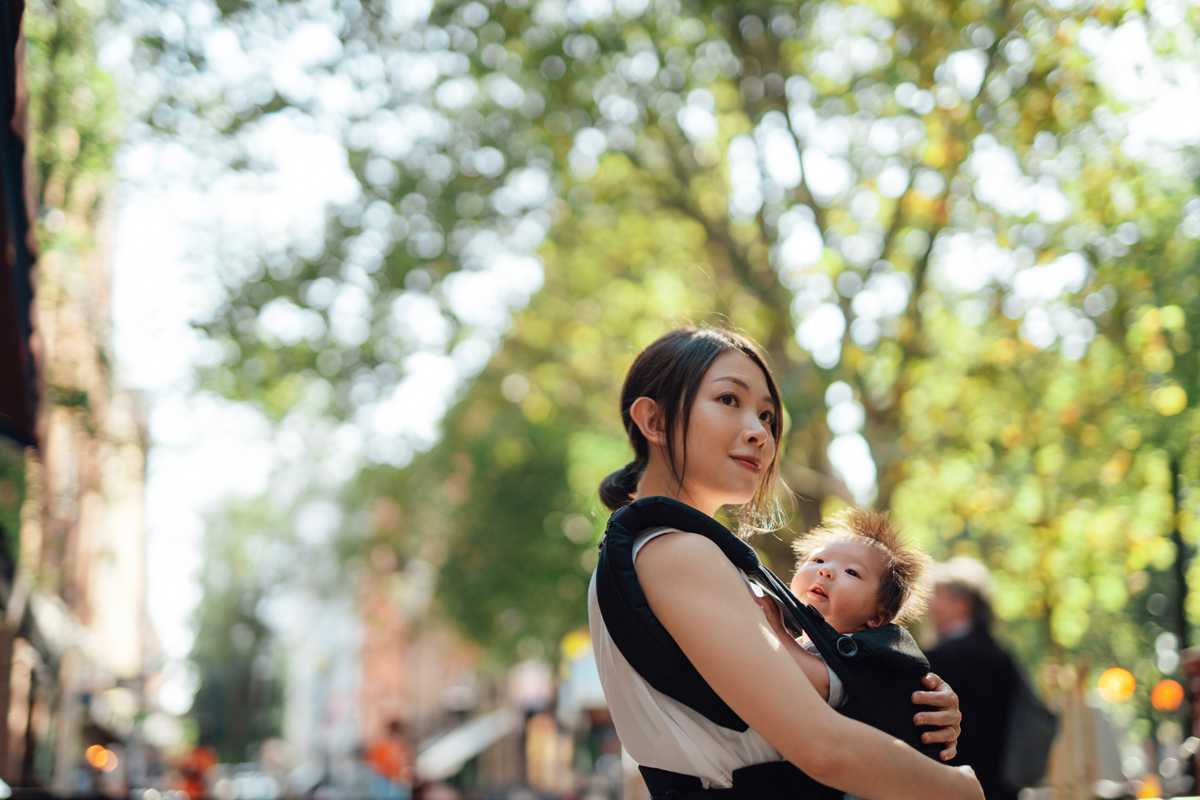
(801, 580)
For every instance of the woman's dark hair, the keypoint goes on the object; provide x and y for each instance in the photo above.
(669, 372)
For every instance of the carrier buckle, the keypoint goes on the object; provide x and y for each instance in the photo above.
(847, 646)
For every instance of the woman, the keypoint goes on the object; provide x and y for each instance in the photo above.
(703, 414)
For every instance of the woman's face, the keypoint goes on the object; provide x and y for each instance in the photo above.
(729, 441)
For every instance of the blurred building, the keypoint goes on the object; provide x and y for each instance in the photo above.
(75, 642)
(362, 663)
(412, 671)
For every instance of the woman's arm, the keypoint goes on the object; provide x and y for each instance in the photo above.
(700, 599)
(811, 665)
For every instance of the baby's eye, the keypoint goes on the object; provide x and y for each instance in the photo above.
(817, 560)
(852, 573)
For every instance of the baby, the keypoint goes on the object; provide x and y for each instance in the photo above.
(859, 572)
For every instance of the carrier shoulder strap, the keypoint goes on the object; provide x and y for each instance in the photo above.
(634, 629)
(655, 655)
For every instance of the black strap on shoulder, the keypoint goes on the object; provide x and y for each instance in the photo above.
(864, 661)
(634, 629)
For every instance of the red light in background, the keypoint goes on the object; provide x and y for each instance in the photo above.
(1167, 695)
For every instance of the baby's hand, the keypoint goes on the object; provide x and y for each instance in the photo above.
(774, 617)
(813, 667)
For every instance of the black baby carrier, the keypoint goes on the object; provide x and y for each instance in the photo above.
(880, 667)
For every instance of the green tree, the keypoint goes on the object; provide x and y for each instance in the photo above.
(922, 210)
(73, 123)
(239, 700)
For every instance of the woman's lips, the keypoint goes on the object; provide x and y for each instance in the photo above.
(747, 463)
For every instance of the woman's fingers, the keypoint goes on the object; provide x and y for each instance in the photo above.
(944, 733)
(941, 695)
(947, 717)
(939, 700)
(934, 683)
(947, 735)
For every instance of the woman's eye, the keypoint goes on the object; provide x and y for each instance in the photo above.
(728, 399)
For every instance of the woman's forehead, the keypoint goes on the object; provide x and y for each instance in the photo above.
(736, 364)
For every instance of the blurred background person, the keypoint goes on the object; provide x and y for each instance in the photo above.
(194, 770)
(391, 757)
(980, 670)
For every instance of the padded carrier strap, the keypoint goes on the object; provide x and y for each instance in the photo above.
(634, 629)
(776, 780)
(881, 662)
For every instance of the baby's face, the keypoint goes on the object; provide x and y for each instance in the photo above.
(841, 580)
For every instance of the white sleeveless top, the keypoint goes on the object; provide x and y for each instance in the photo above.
(658, 731)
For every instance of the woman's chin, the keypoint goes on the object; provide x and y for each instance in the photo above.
(740, 495)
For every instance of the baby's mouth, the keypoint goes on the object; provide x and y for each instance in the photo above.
(819, 591)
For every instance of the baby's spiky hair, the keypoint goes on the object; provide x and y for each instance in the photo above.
(904, 586)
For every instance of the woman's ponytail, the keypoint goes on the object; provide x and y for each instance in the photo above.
(616, 491)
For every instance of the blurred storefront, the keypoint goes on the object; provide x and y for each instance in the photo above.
(474, 729)
(75, 643)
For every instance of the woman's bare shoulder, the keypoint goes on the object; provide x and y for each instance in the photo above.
(679, 545)
(683, 558)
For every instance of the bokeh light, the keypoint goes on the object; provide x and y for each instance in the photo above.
(1167, 695)
(1116, 685)
(97, 756)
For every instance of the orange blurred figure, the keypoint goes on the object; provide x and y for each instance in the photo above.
(193, 769)
(391, 755)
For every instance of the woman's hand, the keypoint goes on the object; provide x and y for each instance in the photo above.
(942, 697)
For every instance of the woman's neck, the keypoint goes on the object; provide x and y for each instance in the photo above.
(657, 481)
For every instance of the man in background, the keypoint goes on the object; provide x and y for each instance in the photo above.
(982, 673)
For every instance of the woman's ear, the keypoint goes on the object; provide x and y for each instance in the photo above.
(646, 416)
